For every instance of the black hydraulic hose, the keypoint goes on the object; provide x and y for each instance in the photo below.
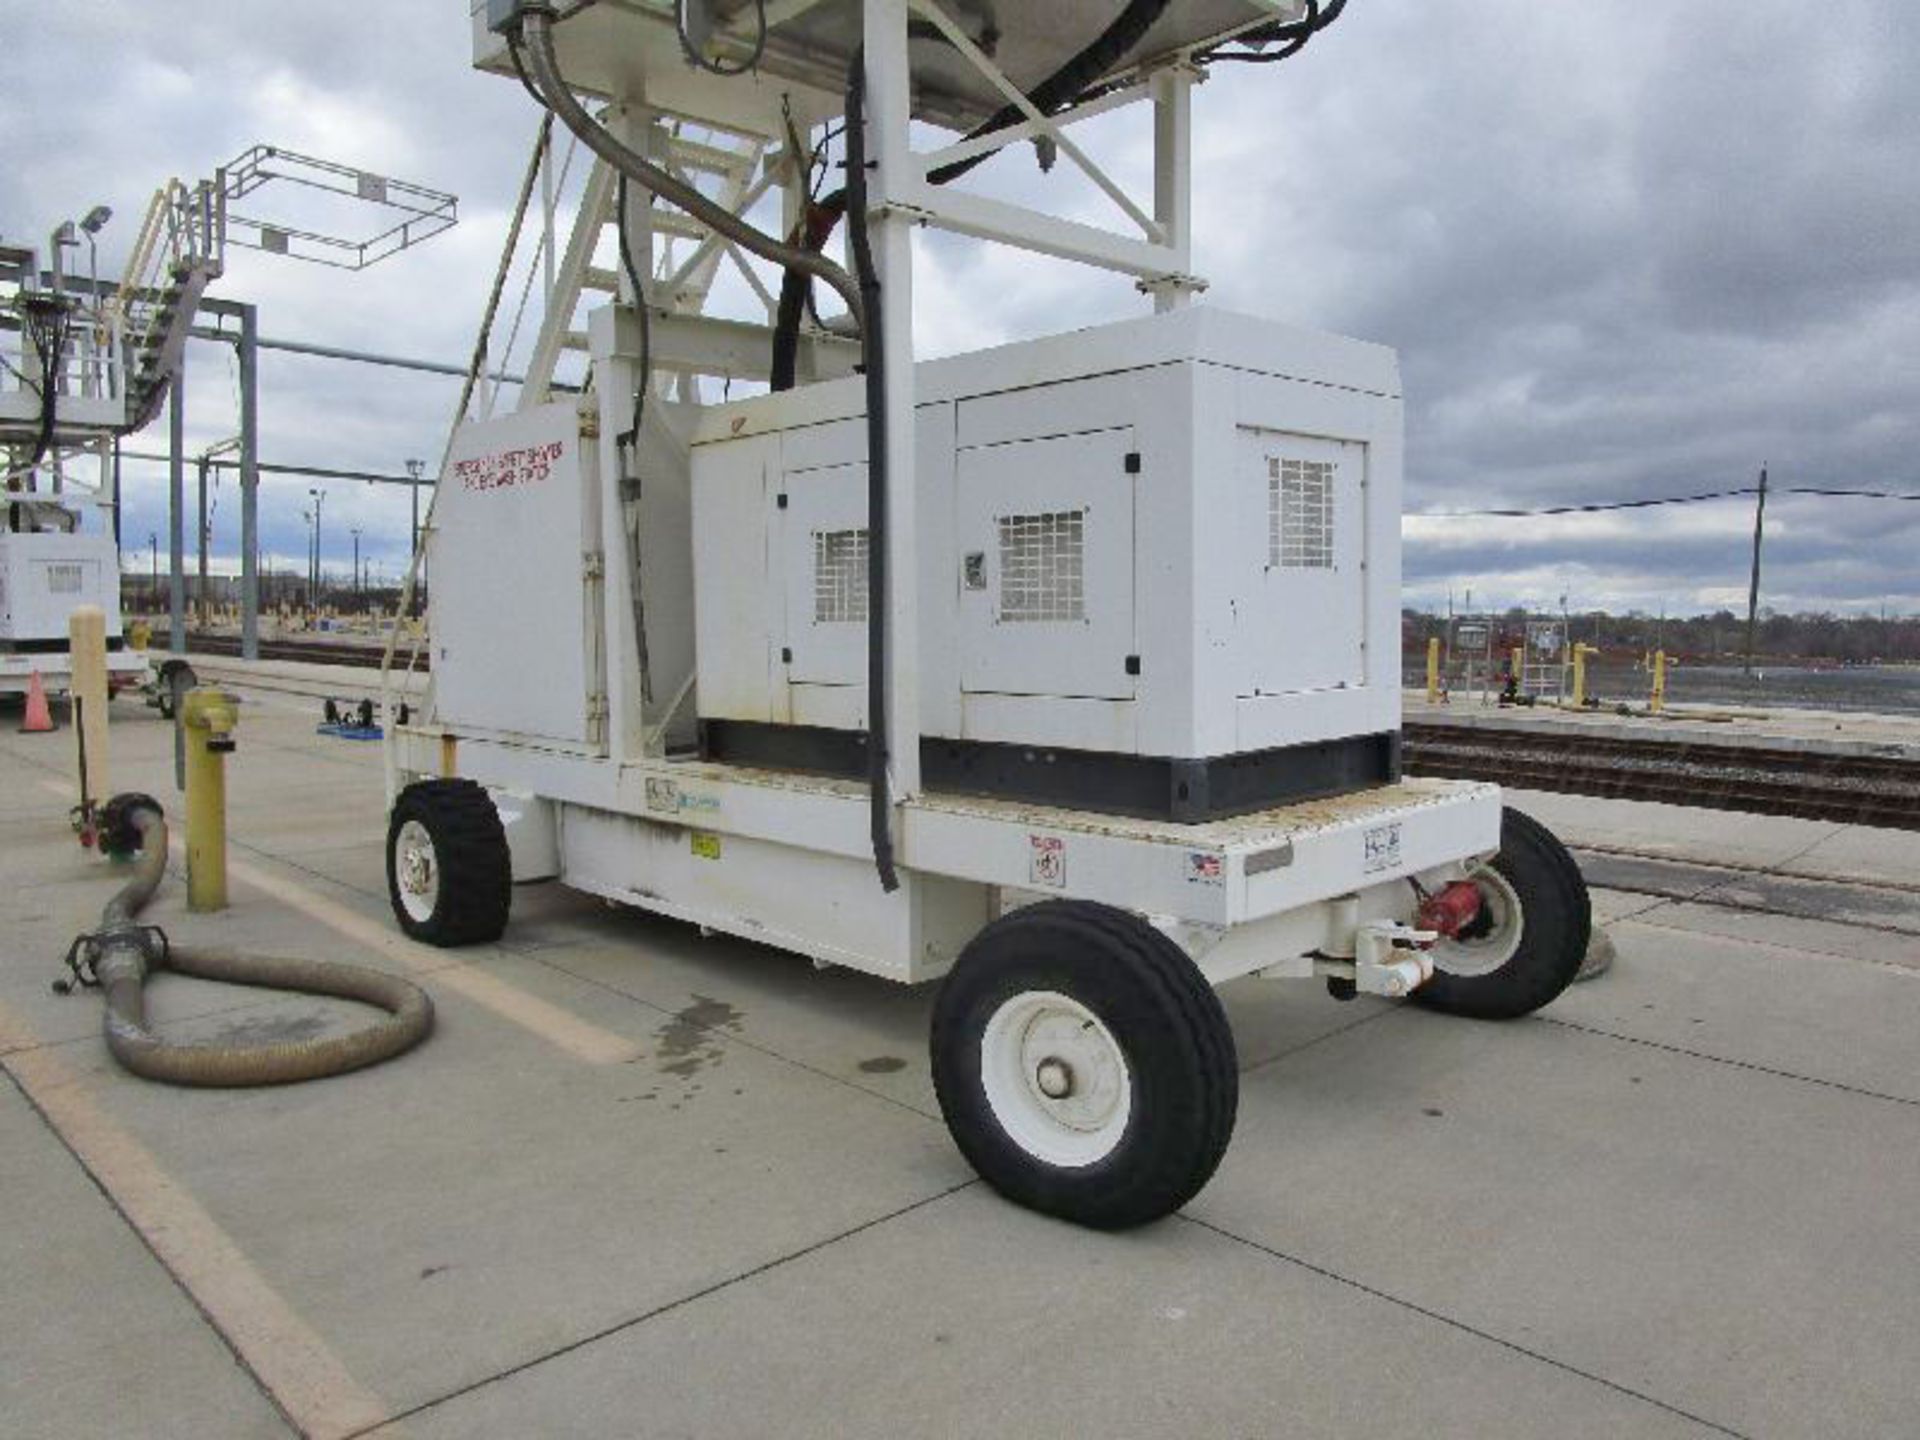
(1060, 88)
(536, 31)
(123, 955)
(874, 354)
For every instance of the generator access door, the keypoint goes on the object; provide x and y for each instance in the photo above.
(515, 571)
(1045, 530)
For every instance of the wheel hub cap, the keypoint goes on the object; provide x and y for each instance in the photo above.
(1056, 1079)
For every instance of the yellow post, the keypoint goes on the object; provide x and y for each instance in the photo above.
(1657, 701)
(1519, 670)
(208, 717)
(1433, 671)
(139, 635)
(87, 654)
(1580, 653)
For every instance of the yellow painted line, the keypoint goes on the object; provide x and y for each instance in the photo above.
(305, 1378)
(578, 1038)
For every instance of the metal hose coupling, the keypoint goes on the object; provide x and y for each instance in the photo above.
(123, 954)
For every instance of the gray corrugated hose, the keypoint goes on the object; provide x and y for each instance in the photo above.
(123, 958)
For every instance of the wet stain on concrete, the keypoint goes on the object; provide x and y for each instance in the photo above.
(272, 1030)
(883, 1065)
(690, 1041)
(432, 1270)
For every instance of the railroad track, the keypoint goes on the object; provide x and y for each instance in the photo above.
(1849, 788)
(313, 652)
(1856, 789)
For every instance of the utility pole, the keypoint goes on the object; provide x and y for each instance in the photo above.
(415, 468)
(1753, 586)
(357, 587)
(319, 574)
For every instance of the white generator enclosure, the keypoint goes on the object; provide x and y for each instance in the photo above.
(44, 576)
(1159, 569)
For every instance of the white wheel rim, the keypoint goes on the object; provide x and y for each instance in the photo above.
(1486, 953)
(1056, 1079)
(416, 870)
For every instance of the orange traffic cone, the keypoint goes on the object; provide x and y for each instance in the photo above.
(39, 718)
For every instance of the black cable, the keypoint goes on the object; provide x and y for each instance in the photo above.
(1292, 37)
(873, 353)
(631, 438)
(692, 51)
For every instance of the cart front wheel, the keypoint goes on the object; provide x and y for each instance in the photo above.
(1527, 943)
(1084, 1065)
(449, 872)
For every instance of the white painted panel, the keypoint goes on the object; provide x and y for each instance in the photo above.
(1299, 563)
(509, 587)
(737, 607)
(823, 554)
(1045, 529)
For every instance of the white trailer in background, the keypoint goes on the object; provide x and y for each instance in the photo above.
(1118, 721)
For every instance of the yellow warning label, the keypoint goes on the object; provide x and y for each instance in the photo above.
(705, 845)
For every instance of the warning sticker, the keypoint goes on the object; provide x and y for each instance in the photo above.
(1047, 863)
(704, 844)
(1382, 848)
(1205, 869)
(525, 465)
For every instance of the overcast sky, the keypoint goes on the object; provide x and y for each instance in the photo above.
(1623, 251)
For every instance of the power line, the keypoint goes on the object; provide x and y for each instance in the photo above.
(1603, 507)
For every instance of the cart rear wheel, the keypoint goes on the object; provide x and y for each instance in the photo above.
(449, 872)
(1531, 935)
(1084, 1065)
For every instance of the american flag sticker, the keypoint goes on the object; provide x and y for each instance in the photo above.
(1205, 868)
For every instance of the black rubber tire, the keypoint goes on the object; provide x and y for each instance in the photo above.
(470, 848)
(1556, 924)
(1163, 1015)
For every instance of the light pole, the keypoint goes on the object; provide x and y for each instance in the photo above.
(153, 591)
(319, 574)
(415, 468)
(357, 586)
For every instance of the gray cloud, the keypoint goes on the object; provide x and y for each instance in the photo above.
(1622, 254)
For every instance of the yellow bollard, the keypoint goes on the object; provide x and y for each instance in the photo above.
(1433, 671)
(87, 655)
(1580, 653)
(1657, 701)
(139, 635)
(208, 718)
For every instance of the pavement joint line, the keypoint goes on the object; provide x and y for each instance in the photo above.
(634, 1321)
(1461, 1325)
(1293, 1050)
(1907, 968)
(579, 1038)
(1752, 1066)
(726, 1036)
(1707, 898)
(286, 1358)
(1626, 852)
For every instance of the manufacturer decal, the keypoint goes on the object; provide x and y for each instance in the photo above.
(665, 797)
(1047, 863)
(1205, 869)
(1382, 848)
(704, 844)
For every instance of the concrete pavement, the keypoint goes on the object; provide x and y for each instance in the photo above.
(645, 1183)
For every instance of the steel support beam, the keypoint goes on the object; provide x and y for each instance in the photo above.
(249, 483)
(894, 165)
(176, 513)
